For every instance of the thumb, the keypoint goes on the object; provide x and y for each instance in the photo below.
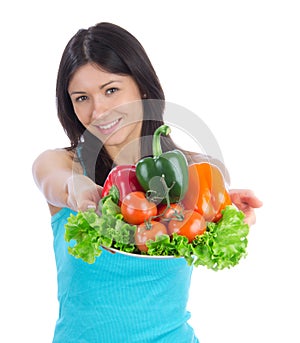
(86, 205)
(99, 191)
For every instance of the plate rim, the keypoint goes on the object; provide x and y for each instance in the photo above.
(155, 257)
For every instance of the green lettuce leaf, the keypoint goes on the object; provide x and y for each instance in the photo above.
(89, 231)
(165, 245)
(224, 243)
(79, 230)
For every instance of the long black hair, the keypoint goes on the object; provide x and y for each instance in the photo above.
(117, 51)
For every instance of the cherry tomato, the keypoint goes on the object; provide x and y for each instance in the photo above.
(136, 208)
(166, 214)
(146, 231)
(193, 224)
(206, 191)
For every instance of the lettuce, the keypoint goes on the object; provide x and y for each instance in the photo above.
(85, 238)
(222, 245)
(89, 231)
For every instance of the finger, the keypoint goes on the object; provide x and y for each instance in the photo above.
(252, 201)
(86, 205)
(250, 217)
(99, 191)
(246, 196)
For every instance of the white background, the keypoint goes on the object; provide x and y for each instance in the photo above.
(235, 64)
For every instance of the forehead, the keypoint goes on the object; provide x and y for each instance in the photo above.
(89, 72)
(90, 75)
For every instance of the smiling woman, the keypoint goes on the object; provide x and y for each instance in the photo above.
(92, 59)
(103, 81)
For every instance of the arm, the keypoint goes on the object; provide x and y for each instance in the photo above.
(61, 181)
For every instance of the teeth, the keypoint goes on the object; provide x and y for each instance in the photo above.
(108, 126)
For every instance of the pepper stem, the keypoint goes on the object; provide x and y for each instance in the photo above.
(150, 197)
(156, 146)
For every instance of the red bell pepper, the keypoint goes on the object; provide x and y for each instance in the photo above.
(122, 177)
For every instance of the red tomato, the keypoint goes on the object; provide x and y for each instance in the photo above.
(193, 224)
(166, 214)
(146, 231)
(136, 208)
(206, 191)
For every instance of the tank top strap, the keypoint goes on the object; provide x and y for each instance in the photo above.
(79, 155)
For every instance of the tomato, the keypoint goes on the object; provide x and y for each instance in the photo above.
(146, 231)
(136, 208)
(166, 214)
(192, 224)
(206, 193)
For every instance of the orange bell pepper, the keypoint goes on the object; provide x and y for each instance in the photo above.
(206, 193)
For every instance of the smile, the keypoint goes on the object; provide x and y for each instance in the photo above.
(109, 125)
(108, 128)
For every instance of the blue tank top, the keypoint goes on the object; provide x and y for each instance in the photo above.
(120, 298)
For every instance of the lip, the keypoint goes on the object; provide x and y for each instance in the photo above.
(109, 127)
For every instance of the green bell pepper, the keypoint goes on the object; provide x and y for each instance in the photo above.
(165, 175)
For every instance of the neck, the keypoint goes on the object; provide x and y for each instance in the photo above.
(129, 154)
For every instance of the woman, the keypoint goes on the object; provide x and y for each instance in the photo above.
(103, 79)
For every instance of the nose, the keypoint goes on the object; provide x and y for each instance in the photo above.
(99, 108)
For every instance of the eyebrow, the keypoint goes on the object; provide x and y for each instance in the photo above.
(108, 83)
(101, 87)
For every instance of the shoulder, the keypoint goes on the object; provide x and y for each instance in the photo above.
(194, 157)
(51, 168)
(56, 157)
(57, 153)
(52, 160)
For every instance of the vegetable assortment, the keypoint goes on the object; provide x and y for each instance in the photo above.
(163, 207)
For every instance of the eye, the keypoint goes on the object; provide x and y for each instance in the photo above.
(112, 90)
(81, 98)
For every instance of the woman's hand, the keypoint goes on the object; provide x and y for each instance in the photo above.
(82, 193)
(246, 201)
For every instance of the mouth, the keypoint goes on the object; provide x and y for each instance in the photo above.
(107, 128)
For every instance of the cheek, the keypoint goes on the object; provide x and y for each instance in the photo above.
(82, 114)
(134, 111)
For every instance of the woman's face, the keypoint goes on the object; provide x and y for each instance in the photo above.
(108, 105)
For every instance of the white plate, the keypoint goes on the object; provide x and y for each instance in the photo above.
(113, 250)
